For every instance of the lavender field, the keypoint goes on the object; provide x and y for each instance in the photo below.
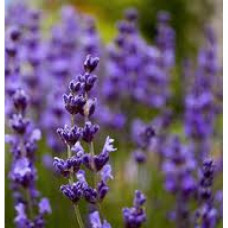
(113, 117)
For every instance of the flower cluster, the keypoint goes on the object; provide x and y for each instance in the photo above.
(71, 39)
(178, 167)
(24, 40)
(136, 70)
(200, 101)
(135, 87)
(23, 173)
(79, 102)
(206, 215)
(134, 217)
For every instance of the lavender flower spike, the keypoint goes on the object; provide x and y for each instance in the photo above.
(78, 101)
(134, 217)
(206, 215)
(23, 173)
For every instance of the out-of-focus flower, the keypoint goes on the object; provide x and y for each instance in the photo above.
(95, 221)
(206, 215)
(23, 174)
(134, 217)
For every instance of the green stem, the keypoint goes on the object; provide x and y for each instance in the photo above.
(30, 207)
(71, 181)
(78, 215)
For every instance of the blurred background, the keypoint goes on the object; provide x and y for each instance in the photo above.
(189, 17)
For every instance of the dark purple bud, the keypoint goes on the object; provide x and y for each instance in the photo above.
(20, 100)
(74, 104)
(70, 135)
(88, 161)
(101, 160)
(102, 190)
(74, 163)
(90, 195)
(74, 86)
(90, 80)
(74, 192)
(60, 167)
(89, 131)
(139, 199)
(90, 63)
(134, 217)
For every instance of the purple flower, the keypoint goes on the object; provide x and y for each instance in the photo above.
(206, 215)
(22, 172)
(90, 194)
(91, 63)
(134, 217)
(106, 173)
(97, 162)
(102, 190)
(142, 134)
(108, 146)
(66, 167)
(205, 192)
(89, 131)
(73, 192)
(44, 206)
(21, 219)
(79, 101)
(95, 221)
(139, 199)
(70, 135)
(74, 104)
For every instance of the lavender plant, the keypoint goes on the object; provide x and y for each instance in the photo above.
(206, 214)
(25, 38)
(72, 38)
(135, 216)
(200, 101)
(178, 167)
(79, 102)
(23, 174)
(134, 87)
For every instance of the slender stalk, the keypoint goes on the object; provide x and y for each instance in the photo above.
(30, 207)
(78, 215)
(71, 181)
(92, 153)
